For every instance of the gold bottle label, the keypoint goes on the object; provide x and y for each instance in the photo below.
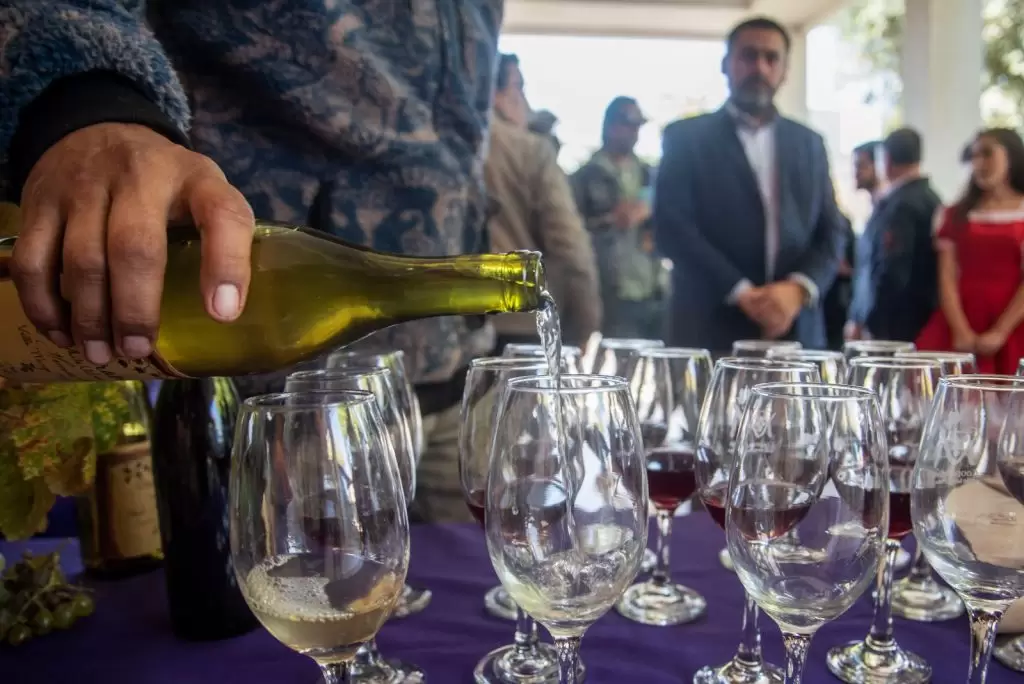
(28, 356)
(127, 524)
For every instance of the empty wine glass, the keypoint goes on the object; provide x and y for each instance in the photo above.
(731, 384)
(760, 348)
(1011, 652)
(831, 364)
(811, 456)
(526, 659)
(905, 389)
(413, 599)
(918, 596)
(571, 356)
(668, 387)
(319, 533)
(566, 513)
(967, 501)
(855, 348)
(369, 667)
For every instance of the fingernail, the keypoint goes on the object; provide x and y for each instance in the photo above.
(59, 338)
(98, 352)
(136, 346)
(225, 301)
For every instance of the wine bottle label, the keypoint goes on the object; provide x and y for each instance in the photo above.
(28, 356)
(127, 524)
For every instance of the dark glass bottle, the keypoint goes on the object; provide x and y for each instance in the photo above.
(193, 430)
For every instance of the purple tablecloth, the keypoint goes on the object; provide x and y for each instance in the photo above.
(128, 638)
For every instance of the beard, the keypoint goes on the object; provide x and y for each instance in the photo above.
(754, 96)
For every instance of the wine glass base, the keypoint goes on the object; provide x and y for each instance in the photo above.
(649, 562)
(866, 661)
(726, 560)
(498, 603)
(791, 553)
(509, 665)
(903, 560)
(661, 604)
(925, 601)
(412, 601)
(1011, 653)
(738, 671)
(386, 672)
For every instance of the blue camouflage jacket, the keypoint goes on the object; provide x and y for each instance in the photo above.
(364, 118)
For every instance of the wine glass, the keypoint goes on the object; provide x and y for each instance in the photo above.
(1011, 652)
(967, 501)
(918, 596)
(527, 659)
(731, 384)
(760, 348)
(566, 512)
(855, 348)
(831, 364)
(369, 667)
(615, 357)
(812, 456)
(413, 599)
(905, 389)
(319, 533)
(572, 356)
(668, 387)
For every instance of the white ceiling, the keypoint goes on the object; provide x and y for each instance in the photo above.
(664, 18)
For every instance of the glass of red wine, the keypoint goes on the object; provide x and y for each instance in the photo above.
(759, 349)
(905, 389)
(319, 532)
(526, 659)
(918, 596)
(668, 386)
(831, 364)
(967, 501)
(813, 457)
(732, 382)
(854, 348)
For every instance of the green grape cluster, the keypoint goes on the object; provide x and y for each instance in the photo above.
(35, 599)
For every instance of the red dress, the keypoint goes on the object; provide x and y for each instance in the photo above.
(989, 254)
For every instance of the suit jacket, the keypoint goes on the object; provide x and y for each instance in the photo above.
(897, 274)
(710, 221)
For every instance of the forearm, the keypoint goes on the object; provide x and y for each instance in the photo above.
(1013, 314)
(949, 294)
(45, 41)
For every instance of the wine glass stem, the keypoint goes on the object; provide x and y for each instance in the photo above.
(984, 624)
(920, 571)
(661, 573)
(568, 658)
(334, 673)
(368, 654)
(881, 627)
(526, 631)
(750, 646)
(796, 655)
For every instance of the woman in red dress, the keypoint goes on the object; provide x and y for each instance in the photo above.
(979, 241)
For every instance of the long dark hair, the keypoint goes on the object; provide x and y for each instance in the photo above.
(1009, 140)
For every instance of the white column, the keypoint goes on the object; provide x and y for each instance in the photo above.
(792, 96)
(942, 69)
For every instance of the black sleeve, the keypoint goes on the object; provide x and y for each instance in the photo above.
(74, 102)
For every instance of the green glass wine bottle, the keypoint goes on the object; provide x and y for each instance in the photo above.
(309, 293)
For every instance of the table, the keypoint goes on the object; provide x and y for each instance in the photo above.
(128, 639)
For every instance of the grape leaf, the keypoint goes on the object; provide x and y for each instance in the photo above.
(110, 411)
(23, 503)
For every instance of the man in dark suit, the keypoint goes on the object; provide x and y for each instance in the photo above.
(896, 289)
(744, 207)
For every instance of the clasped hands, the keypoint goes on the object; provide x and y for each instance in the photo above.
(984, 344)
(774, 307)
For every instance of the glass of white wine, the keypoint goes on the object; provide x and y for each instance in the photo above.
(566, 511)
(319, 530)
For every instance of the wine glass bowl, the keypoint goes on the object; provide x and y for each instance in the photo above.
(572, 356)
(732, 382)
(760, 348)
(567, 502)
(319, 534)
(854, 348)
(668, 387)
(614, 355)
(968, 499)
(813, 457)
(831, 364)
(952, 363)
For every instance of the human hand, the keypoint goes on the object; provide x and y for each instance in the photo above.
(990, 341)
(753, 303)
(784, 299)
(965, 340)
(96, 205)
(852, 331)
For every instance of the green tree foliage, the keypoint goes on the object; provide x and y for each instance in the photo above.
(875, 28)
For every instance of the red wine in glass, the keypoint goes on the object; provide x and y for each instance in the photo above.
(477, 503)
(900, 523)
(768, 510)
(714, 499)
(670, 476)
(1013, 478)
